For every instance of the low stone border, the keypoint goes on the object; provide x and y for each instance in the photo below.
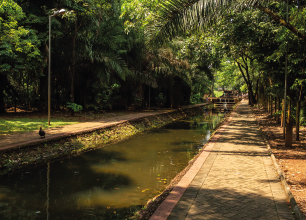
(297, 212)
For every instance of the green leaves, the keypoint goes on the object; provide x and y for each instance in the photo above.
(74, 107)
(10, 11)
(16, 43)
(178, 16)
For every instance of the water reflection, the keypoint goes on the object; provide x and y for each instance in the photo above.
(112, 182)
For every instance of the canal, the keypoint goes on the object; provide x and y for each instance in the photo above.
(111, 182)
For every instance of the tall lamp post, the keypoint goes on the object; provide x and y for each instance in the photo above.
(285, 93)
(59, 12)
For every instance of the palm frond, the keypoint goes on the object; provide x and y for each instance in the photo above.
(178, 16)
(108, 60)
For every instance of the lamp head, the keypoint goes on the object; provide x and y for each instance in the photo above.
(62, 11)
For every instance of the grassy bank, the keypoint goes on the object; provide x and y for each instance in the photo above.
(31, 155)
(23, 122)
(9, 126)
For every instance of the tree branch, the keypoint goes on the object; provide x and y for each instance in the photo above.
(281, 21)
(246, 67)
(239, 65)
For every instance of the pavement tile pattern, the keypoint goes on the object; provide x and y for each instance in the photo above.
(236, 180)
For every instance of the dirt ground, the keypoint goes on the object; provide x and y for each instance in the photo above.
(292, 161)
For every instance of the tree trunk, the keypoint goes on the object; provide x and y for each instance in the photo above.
(247, 80)
(171, 92)
(2, 106)
(257, 98)
(288, 139)
(212, 89)
(271, 106)
(282, 119)
(257, 92)
(3, 80)
(252, 99)
(149, 97)
(275, 102)
(177, 91)
(15, 102)
(297, 125)
(264, 101)
(278, 109)
(72, 89)
(289, 127)
(289, 110)
(73, 65)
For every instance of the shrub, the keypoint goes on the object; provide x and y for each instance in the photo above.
(74, 107)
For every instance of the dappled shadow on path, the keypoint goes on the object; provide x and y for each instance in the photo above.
(225, 203)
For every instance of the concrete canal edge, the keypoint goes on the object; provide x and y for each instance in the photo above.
(161, 205)
(28, 154)
(296, 209)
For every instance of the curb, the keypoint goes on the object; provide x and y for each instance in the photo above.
(296, 209)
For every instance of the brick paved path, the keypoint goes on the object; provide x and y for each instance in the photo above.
(235, 179)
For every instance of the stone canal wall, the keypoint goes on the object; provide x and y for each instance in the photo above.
(25, 156)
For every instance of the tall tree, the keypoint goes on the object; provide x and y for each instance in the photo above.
(18, 46)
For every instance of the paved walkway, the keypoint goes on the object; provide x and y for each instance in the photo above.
(32, 137)
(233, 178)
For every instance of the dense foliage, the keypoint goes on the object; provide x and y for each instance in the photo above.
(139, 53)
(100, 58)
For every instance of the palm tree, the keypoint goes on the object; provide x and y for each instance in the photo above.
(177, 16)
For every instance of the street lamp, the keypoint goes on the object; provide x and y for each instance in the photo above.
(62, 11)
(285, 93)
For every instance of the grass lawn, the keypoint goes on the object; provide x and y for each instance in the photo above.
(21, 122)
(13, 125)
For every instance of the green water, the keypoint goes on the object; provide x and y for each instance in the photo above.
(111, 182)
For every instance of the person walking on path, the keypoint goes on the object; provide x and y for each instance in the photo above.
(233, 178)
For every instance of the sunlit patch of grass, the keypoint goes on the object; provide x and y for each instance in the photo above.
(15, 125)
